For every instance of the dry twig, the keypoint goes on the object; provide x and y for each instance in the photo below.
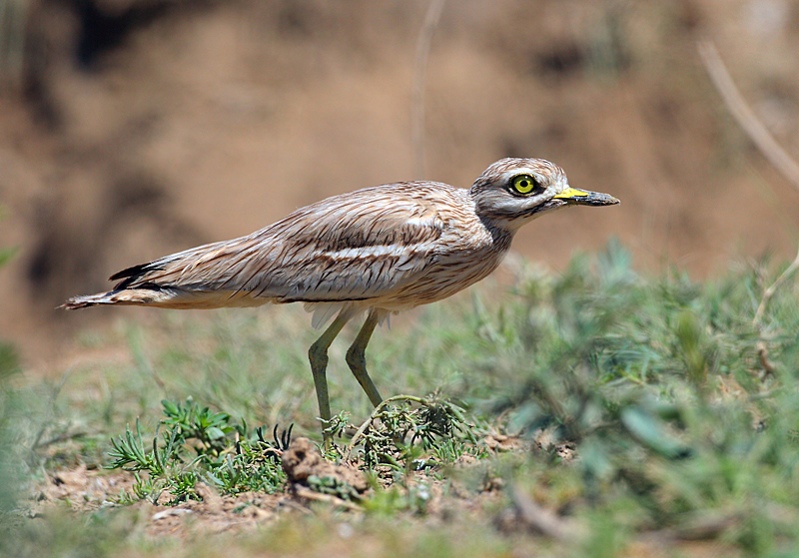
(769, 292)
(744, 115)
(308, 494)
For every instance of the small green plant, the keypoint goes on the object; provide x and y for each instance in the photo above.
(333, 486)
(395, 499)
(226, 455)
(209, 430)
(412, 432)
(336, 426)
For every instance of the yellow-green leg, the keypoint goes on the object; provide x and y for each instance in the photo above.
(317, 354)
(356, 358)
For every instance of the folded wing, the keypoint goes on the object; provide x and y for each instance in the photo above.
(355, 247)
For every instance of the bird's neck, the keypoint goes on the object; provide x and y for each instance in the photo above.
(501, 234)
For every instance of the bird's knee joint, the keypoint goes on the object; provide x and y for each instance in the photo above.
(356, 357)
(317, 355)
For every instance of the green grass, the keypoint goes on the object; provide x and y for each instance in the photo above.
(682, 412)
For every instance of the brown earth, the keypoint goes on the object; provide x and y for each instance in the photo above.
(138, 127)
(83, 489)
(524, 522)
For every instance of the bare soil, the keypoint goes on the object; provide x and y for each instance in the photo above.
(82, 489)
(526, 524)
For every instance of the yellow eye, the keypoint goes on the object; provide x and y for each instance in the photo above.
(524, 183)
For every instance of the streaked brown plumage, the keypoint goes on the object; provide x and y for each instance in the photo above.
(379, 249)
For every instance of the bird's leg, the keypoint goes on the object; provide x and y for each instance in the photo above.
(317, 354)
(356, 358)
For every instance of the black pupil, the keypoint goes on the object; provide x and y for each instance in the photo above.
(524, 184)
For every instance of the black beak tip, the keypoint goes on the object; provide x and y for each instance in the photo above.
(599, 199)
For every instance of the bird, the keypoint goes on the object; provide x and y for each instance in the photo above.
(377, 250)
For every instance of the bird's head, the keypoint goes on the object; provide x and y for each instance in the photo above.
(511, 192)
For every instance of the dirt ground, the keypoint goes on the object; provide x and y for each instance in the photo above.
(524, 523)
(83, 489)
(132, 128)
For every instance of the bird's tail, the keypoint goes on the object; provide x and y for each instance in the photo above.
(122, 296)
(190, 279)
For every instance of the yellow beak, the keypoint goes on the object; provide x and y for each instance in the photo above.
(585, 197)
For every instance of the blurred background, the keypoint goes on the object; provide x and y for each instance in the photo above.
(134, 128)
